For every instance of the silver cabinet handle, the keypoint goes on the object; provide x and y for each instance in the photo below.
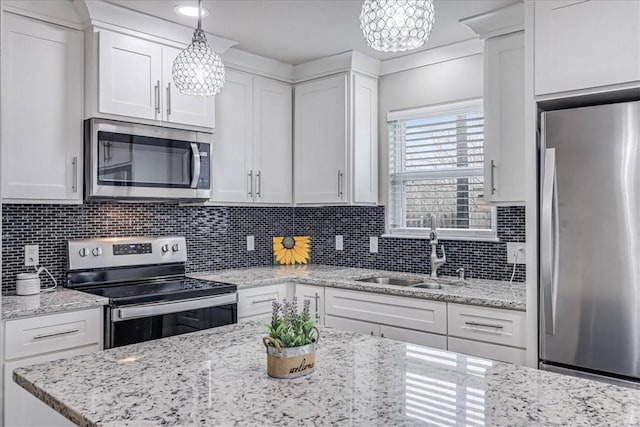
(260, 301)
(250, 184)
(340, 184)
(317, 297)
(259, 184)
(156, 90)
(486, 325)
(74, 184)
(168, 99)
(493, 168)
(56, 334)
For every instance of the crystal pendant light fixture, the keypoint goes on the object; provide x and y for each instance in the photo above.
(198, 70)
(396, 25)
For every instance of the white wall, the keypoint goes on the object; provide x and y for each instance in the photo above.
(448, 81)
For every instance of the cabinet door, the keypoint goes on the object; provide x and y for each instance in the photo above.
(320, 141)
(272, 141)
(364, 163)
(232, 157)
(585, 44)
(41, 111)
(368, 328)
(21, 408)
(130, 73)
(504, 119)
(180, 108)
(315, 294)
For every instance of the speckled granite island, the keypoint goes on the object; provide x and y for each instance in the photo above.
(486, 293)
(218, 377)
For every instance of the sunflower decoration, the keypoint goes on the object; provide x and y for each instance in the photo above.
(292, 250)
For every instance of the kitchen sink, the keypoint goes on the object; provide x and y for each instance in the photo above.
(391, 281)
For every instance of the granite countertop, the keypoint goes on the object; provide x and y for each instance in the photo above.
(60, 300)
(488, 293)
(218, 377)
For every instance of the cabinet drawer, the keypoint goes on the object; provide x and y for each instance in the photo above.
(55, 332)
(403, 312)
(352, 325)
(487, 351)
(492, 325)
(257, 301)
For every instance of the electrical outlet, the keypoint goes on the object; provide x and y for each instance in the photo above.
(31, 255)
(373, 244)
(251, 243)
(339, 243)
(516, 253)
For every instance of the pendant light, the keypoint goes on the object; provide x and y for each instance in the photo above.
(198, 70)
(396, 25)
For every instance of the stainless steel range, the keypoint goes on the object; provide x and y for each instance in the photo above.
(149, 295)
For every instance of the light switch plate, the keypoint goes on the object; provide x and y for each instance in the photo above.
(516, 248)
(373, 244)
(31, 255)
(251, 243)
(339, 243)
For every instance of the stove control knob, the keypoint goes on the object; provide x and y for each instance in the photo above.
(165, 248)
(175, 247)
(83, 252)
(96, 251)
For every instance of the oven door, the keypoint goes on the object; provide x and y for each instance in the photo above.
(138, 323)
(132, 161)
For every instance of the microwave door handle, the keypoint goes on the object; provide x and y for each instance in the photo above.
(196, 165)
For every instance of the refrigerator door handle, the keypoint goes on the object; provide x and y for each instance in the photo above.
(549, 243)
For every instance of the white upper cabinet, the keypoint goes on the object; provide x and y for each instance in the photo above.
(42, 132)
(180, 108)
(504, 119)
(130, 74)
(272, 155)
(586, 44)
(320, 135)
(335, 140)
(133, 79)
(252, 147)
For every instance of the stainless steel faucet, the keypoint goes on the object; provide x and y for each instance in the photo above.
(461, 273)
(435, 261)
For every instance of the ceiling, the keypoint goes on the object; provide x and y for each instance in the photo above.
(296, 31)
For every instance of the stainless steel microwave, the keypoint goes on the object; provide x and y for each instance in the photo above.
(142, 162)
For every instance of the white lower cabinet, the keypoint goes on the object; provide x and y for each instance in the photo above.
(315, 294)
(43, 339)
(256, 303)
(490, 333)
(410, 313)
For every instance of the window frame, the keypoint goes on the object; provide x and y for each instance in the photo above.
(448, 108)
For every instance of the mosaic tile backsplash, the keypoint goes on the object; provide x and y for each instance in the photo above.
(216, 236)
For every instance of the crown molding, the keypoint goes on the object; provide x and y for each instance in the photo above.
(256, 64)
(432, 56)
(498, 22)
(60, 12)
(102, 14)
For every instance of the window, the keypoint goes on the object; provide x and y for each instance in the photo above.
(436, 167)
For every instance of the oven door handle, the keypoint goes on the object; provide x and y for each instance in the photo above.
(196, 165)
(136, 312)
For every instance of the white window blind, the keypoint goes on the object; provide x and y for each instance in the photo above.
(436, 165)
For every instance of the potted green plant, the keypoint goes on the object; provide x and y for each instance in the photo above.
(292, 340)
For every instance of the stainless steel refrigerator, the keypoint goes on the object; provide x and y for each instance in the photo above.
(590, 242)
